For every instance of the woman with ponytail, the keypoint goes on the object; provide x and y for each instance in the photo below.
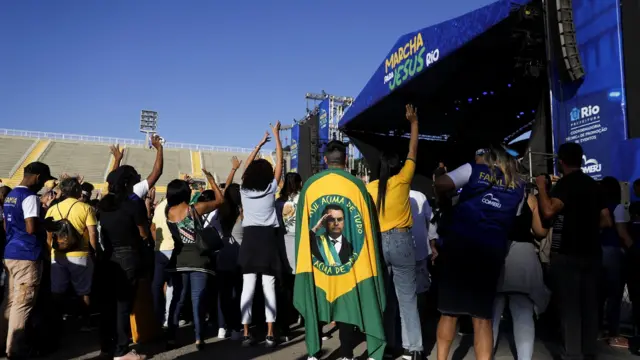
(391, 195)
(124, 230)
(475, 243)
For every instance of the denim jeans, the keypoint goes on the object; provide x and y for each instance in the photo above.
(399, 255)
(183, 282)
(161, 301)
(524, 331)
(613, 287)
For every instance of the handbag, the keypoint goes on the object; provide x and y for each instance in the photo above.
(207, 239)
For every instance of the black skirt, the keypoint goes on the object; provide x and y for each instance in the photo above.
(259, 252)
(468, 280)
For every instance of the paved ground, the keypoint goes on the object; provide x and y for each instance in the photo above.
(83, 346)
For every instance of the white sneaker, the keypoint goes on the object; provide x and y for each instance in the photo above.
(312, 358)
(236, 335)
(222, 333)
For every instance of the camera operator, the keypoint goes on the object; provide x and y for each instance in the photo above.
(580, 211)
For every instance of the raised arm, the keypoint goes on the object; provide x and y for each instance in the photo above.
(206, 207)
(412, 116)
(117, 156)
(276, 135)
(256, 150)
(235, 165)
(156, 172)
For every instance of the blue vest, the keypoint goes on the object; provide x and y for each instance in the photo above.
(20, 244)
(609, 236)
(485, 213)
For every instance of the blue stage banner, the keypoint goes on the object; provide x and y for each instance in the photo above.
(295, 138)
(591, 111)
(419, 50)
(323, 127)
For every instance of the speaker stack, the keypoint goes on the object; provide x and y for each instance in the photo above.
(568, 43)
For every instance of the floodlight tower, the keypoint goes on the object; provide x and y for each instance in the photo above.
(148, 123)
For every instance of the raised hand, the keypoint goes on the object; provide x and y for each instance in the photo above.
(412, 113)
(116, 152)
(265, 139)
(80, 178)
(320, 223)
(275, 129)
(156, 141)
(235, 163)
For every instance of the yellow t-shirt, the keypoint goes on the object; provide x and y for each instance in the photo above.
(397, 211)
(81, 216)
(164, 240)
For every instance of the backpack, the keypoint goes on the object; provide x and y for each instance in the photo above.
(65, 237)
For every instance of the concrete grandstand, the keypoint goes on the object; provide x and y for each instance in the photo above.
(89, 156)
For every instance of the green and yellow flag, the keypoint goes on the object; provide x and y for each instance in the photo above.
(338, 271)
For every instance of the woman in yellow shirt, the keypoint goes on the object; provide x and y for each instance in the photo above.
(391, 194)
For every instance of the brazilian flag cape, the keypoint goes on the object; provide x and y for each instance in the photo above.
(349, 290)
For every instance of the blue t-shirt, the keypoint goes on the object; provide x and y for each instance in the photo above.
(20, 204)
(487, 208)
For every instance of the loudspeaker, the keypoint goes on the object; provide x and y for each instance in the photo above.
(630, 14)
(568, 43)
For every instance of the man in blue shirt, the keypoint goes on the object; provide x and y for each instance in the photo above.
(22, 254)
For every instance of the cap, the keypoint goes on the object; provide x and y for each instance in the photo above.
(38, 168)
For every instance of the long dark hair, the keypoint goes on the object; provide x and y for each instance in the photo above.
(178, 192)
(230, 209)
(292, 185)
(258, 175)
(121, 182)
(389, 166)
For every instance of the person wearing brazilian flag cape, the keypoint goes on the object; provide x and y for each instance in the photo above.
(338, 267)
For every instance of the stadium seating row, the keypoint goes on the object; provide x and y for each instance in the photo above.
(93, 160)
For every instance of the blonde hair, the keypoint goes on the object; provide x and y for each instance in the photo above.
(499, 158)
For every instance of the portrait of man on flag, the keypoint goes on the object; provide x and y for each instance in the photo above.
(331, 245)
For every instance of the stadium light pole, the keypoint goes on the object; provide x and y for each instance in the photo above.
(148, 123)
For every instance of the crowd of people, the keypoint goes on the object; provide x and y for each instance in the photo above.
(488, 240)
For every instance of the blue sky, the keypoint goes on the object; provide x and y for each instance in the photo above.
(216, 71)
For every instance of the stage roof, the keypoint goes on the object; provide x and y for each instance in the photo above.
(475, 79)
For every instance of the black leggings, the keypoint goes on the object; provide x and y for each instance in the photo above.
(119, 276)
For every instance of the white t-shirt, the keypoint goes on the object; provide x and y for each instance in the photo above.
(421, 213)
(30, 205)
(141, 189)
(621, 214)
(259, 207)
(212, 220)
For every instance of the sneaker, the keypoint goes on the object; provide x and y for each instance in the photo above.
(132, 355)
(247, 341)
(222, 333)
(406, 355)
(236, 335)
(182, 323)
(417, 355)
(312, 358)
(270, 342)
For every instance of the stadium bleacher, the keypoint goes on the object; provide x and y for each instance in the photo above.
(176, 162)
(12, 150)
(89, 156)
(89, 160)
